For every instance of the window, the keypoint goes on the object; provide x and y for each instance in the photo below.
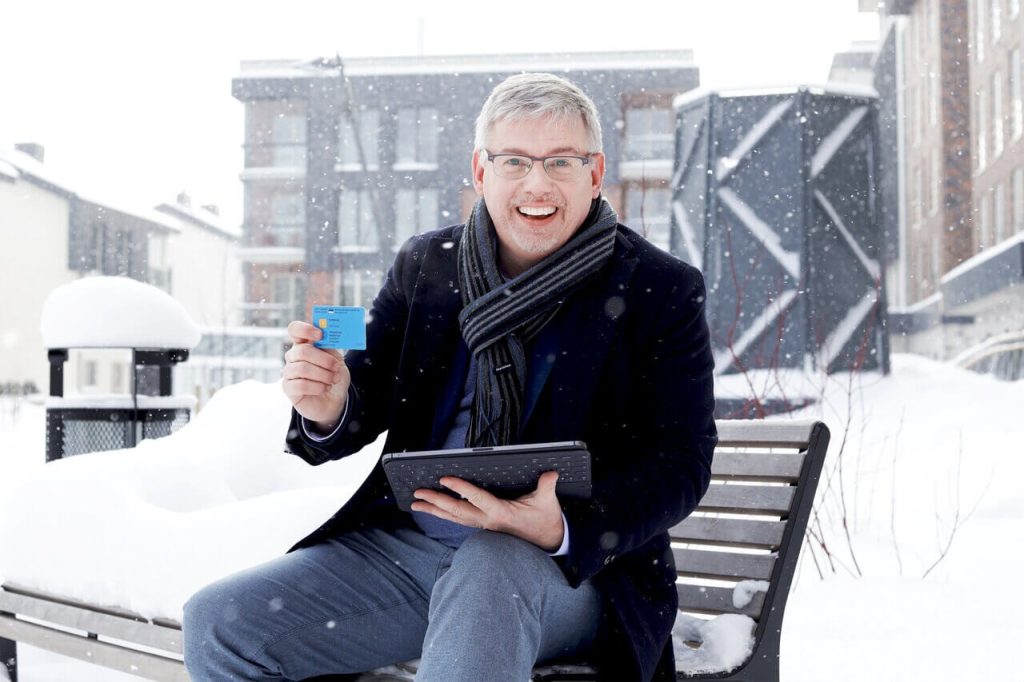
(997, 115)
(980, 8)
(288, 297)
(918, 199)
(920, 93)
(934, 97)
(288, 219)
(1017, 193)
(90, 374)
(921, 270)
(1016, 103)
(981, 120)
(289, 140)
(357, 229)
(368, 123)
(416, 210)
(360, 287)
(649, 213)
(985, 220)
(650, 134)
(117, 382)
(1014, 8)
(911, 115)
(997, 23)
(999, 212)
(417, 136)
(158, 267)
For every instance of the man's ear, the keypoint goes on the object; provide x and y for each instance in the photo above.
(478, 172)
(596, 174)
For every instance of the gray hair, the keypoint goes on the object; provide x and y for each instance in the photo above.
(535, 95)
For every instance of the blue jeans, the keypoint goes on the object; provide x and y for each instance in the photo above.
(487, 611)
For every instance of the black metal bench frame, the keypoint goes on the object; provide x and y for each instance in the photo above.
(750, 526)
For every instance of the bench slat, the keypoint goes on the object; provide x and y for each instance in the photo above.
(757, 466)
(747, 533)
(106, 654)
(118, 611)
(96, 622)
(697, 563)
(748, 499)
(715, 600)
(762, 434)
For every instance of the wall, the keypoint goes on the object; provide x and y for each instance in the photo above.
(33, 262)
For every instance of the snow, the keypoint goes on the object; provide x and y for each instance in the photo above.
(725, 642)
(115, 312)
(134, 522)
(924, 473)
(26, 165)
(986, 255)
(745, 590)
(120, 401)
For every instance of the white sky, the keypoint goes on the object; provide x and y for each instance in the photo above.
(134, 98)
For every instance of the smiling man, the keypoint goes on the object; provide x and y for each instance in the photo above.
(540, 319)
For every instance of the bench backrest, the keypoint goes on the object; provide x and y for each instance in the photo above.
(751, 522)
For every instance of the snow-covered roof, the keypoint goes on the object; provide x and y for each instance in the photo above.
(982, 257)
(8, 171)
(832, 88)
(115, 312)
(376, 66)
(201, 217)
(29, 168)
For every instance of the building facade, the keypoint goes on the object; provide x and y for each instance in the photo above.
(949, 77)
(344, 161)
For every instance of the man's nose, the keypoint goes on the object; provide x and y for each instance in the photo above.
(537, 177)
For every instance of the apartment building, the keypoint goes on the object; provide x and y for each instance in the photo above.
(949, 77)
(345, 160)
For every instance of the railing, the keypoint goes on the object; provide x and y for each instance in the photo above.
(1001, 356)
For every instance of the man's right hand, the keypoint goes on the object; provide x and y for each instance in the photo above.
(315, 380)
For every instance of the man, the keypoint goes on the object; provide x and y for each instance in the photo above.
(541, 319)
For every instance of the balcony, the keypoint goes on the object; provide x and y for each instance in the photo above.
(284, 161)
(274, 243)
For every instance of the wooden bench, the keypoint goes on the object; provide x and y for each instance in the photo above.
(749, 527)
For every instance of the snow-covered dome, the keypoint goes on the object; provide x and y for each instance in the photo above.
(115, 312)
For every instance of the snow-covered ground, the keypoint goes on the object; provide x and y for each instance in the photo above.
(926, 463)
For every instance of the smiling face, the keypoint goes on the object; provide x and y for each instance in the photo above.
(535, 215)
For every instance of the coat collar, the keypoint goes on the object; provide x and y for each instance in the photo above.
(592, 319)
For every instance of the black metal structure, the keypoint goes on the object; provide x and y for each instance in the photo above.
(774, 198)
(78, 429)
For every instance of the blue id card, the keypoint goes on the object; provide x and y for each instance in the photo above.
(343, 326)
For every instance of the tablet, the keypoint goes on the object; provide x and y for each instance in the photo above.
(506, 471)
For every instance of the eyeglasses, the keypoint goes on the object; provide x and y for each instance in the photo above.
(517, 167)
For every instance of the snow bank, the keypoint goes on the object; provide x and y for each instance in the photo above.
(145, 528)
(115, 312)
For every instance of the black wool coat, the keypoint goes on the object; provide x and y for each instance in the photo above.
(632, 378)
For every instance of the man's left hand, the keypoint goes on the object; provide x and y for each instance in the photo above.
(535, 517)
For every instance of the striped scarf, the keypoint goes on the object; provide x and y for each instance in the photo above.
(500, 317)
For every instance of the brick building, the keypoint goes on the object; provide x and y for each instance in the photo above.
(949, 78)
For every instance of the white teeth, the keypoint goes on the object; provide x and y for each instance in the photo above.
(542, 210)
